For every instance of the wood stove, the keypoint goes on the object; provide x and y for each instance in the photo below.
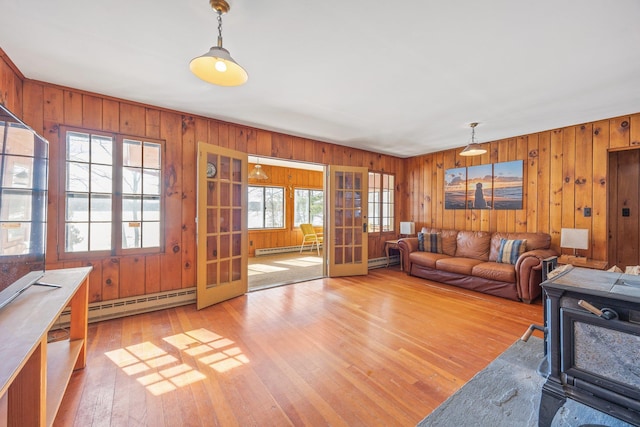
(592, 358)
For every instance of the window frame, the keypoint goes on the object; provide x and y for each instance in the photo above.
(308, 190)
(379, 202)
(284, 207)
(116, 194)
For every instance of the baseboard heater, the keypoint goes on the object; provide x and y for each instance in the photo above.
(382, 262)
(122, 307)
(284, 249)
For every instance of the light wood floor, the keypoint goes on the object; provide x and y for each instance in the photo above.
(383, 349)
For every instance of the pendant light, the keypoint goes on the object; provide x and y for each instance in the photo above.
(473, 148)
(257, 172)
(217, 66)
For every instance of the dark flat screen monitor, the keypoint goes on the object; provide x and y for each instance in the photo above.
(24, 163)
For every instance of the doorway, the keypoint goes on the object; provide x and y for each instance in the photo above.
(624, 208)
(284, 194)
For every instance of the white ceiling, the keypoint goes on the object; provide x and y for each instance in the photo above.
(403, 77)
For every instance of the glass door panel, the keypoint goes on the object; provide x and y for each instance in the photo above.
(348, 242)
(222, 231)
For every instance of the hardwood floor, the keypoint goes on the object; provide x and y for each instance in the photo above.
(383, 349)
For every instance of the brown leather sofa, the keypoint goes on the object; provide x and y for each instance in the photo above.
(468, 260)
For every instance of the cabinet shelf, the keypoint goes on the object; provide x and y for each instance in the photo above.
(34, 374)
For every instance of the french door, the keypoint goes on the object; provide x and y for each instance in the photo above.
(222, 224)
(347, 242)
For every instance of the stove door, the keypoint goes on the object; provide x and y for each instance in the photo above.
(601, 356)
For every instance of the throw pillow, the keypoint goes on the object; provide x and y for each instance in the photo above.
(430, 242)
(510, 250)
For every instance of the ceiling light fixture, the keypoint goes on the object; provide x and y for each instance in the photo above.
(257, 172)
(217, 66)
(473, 148)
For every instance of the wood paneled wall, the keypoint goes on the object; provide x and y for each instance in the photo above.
(565, 170)
(46, 107)
(290, 179)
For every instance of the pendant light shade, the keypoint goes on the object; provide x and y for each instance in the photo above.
(258, 173)
(473, 148)
(217, 66)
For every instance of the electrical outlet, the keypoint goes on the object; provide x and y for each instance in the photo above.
(587, 212)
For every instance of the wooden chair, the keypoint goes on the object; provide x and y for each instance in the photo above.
(309, 235)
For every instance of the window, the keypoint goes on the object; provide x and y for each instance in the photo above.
(309, 207)
(266, 207)
(112, 194)
(381, 202)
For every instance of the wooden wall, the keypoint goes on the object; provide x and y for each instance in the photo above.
(46, 107)
(290, 179)
(565, 170)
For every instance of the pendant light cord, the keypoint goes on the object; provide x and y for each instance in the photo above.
(219, 28)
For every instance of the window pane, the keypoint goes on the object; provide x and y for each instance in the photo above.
(77, 237)
(255, 209)
(316, 208)
(100, 236)
(131, 153)
(274, 207)
(301, 208)
(131, 208)
(100, 207)
(78, 147)
(151, 209)
(151, 181)
(152, 155)
(150, 234)
(131, 234)
(131, 181)
(101, 178)
(101, 150)
(77, 207)
(77, 176)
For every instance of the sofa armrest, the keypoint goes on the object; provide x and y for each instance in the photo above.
(406, 246)
(529, 273)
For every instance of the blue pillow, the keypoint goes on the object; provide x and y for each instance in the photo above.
(510, 250)
(430, 242)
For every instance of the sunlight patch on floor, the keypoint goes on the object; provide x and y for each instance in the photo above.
(160, 372)
(264, 268)
(301, 262)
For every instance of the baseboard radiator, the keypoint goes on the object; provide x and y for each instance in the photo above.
(382, 262)
(122, 307)
(285, 249)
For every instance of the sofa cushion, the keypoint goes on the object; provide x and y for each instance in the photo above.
(495, 271)
(426, 259)
(534, 241)
(457, 265)
(510, 250)
(473, 244)
(430, 242)
(448, 239)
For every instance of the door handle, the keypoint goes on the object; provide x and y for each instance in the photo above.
(364, 227)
